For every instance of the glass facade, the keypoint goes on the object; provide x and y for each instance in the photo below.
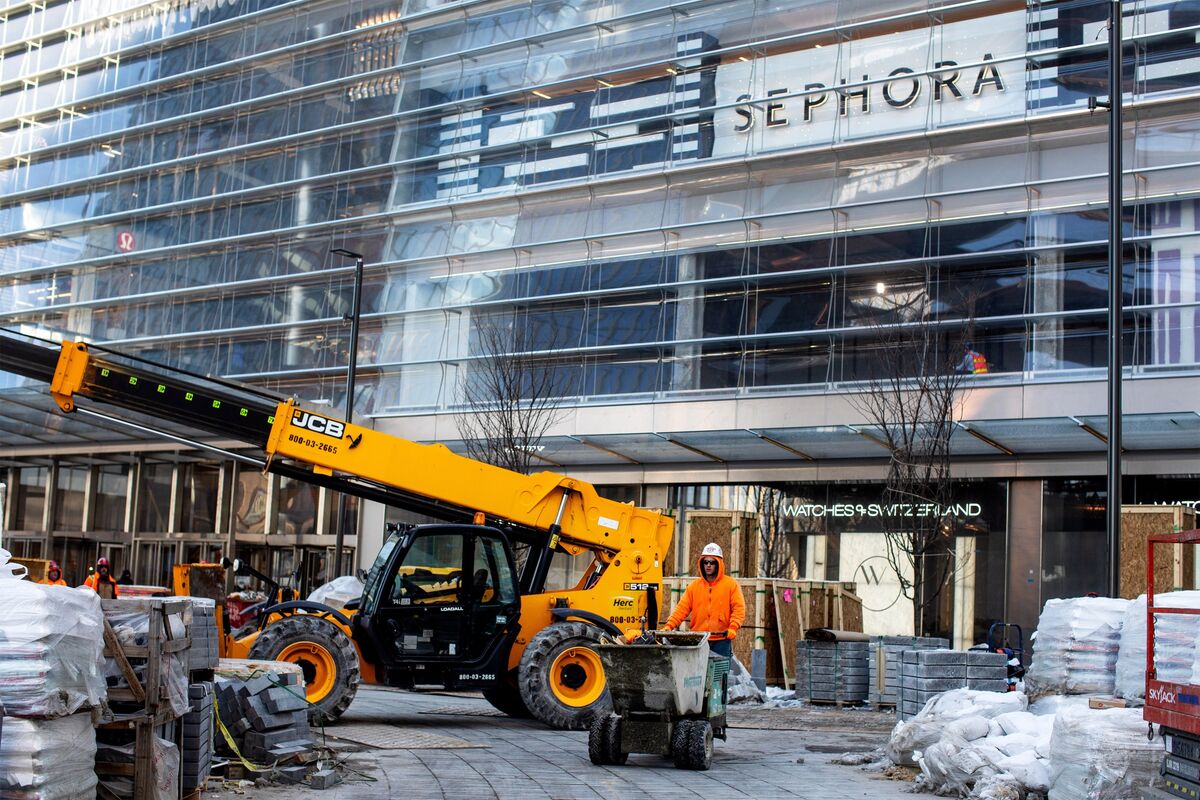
(698, 198)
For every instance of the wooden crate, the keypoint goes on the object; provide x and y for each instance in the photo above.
(1174, 565)
(153, 707)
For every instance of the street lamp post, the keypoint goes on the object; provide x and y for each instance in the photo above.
(351, 371)
(1116, 274)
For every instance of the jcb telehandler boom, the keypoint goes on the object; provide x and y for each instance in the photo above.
(444, 604)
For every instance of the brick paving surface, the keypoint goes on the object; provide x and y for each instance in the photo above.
(773, 753)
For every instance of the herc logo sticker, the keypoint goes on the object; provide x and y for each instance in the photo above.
(311, 422)
(623, 602)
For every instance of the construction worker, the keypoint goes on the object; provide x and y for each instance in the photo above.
(973, 362)
(101, 581)
(714, 602)
(54, 575)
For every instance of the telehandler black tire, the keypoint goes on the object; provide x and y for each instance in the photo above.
(561, 679)
(506, 697)
(324, 653)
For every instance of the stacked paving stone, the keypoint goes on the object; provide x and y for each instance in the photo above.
(831, 672)
(204, 652)
(196, 745)
(927, 673)
(884, 687)
(267, 715)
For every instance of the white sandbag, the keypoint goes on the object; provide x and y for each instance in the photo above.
(1012, 744)
(1175, 653)
(927, 726)
(1001, 786)
(51, 649)
(1102, 754)
(1031, 771)
(52, 759)
(338, 591)
(949, 769)
(968, 728)
(1076, 644)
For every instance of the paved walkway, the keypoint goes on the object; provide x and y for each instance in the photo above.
(460, 750)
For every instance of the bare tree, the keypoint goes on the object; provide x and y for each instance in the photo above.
(775, 557)
(912, 394)
(513, 389)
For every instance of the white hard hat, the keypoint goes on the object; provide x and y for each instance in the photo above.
(712, 549)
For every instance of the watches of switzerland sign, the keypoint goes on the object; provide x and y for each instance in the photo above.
(951, 74)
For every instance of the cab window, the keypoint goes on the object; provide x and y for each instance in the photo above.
(431, 572)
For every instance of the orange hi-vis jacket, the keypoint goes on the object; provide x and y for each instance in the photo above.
(93, 583)
(59, 582)
(716, 607)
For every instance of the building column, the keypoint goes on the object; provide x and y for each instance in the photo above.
(689, 324)
(1023, 600)
(90, 487)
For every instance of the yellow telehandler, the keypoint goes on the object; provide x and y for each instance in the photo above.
(444, 604)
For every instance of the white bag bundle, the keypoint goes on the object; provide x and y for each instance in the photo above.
(51, 649)
(1175, 654)
(1102, 754)
(926, 728)
(338, 591)
(1076, 644)
(52, 759)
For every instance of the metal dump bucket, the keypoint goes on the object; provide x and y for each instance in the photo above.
(665, 678)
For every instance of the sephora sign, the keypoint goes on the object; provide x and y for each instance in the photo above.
(951, 74)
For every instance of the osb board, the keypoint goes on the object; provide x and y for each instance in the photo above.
(748, 546)
(852, 612)
(750, 632)
(788, 604)
(1173, 568)
(704, 527)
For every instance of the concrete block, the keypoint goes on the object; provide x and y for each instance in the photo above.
(936, 657)
(280, 700)
(324, 779)
(982, 658)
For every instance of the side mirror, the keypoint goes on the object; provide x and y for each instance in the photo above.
(361, 574)
(226, 563)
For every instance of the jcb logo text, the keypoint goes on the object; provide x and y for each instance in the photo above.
(311, 422)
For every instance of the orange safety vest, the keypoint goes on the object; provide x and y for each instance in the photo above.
(59, 582)
(978, 363)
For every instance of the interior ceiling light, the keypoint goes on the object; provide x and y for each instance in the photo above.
(542, 95)
(880, 287)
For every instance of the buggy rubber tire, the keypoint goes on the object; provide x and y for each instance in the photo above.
(678, 740)
(297, 629)
(506, 697)
(604, 742)
(535, 679)
(697, 750)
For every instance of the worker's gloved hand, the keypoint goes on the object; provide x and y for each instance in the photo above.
(731, 634)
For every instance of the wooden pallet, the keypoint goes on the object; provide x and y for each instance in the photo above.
(151, 697)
